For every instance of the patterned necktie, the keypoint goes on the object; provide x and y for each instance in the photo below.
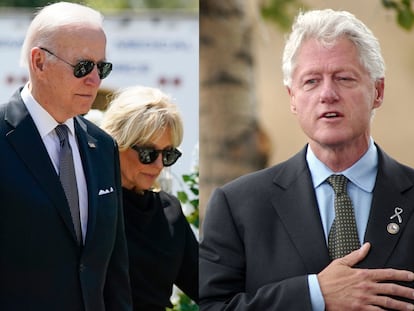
(68, 178)
(343, 236)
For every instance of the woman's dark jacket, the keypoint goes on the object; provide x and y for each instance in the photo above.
(162, 249)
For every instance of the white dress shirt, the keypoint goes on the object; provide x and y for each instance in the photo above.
(46, 124)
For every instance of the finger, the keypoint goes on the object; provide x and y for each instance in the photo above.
(356, 256)
(390, 289)
(390, 303)
(380, 275)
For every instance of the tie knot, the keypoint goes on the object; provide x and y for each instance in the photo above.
(62, 132)
(338, 183)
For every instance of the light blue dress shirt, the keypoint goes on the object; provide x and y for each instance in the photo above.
(361, 183)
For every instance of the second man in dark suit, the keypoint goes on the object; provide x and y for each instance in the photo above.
(266, 235)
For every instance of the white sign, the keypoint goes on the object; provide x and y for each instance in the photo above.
(158, 50)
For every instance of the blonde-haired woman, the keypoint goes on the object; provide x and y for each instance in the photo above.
(162, 247)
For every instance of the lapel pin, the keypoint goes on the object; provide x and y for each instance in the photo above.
(91, 145)
(397, 213)
(393, 228)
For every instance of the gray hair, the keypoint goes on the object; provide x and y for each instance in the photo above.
(137, 115)
(48, 22)
(326, 26)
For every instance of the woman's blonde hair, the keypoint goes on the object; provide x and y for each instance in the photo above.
(137, 115)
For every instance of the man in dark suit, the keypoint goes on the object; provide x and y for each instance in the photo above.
(269, 238)
(44, 264)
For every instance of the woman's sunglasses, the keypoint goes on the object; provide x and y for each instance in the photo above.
(148, 155)
(85, 67)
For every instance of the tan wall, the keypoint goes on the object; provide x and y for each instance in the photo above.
(393, 125)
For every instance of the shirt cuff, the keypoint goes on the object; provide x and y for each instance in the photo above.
(317, 301)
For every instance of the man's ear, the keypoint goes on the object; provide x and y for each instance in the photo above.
(292, 100)
(379, 92)
(37, 60)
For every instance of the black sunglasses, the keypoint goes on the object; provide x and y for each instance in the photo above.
(85, 67)
(148, 155)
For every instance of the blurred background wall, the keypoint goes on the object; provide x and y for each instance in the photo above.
(393, 125)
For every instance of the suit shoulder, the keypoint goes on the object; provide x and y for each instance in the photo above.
(169, 200)
(259, 175)
(254, 182)
(2, 111)
(389, 164)
(171, 207)
(95, 130)
(291, 166)
(92, 127)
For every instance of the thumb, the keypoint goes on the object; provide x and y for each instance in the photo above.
(356, 256)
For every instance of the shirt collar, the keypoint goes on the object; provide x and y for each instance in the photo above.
(44, 122)
(362, 173)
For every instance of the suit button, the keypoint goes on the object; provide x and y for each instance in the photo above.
(82, 267)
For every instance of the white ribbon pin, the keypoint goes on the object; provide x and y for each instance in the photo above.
(393, 227)
(398, 211)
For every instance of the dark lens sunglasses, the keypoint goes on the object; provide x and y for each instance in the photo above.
(85, 67)
(148, 155)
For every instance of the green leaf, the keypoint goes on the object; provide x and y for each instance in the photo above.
(389, 4)
(182, 196)
(405, 18)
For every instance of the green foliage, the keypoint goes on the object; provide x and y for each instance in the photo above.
(171, 4)
(110, 4)
(404, 11)
(281, 12)
(185, 304)
(23, 3)
(191, 181)
(192, 198)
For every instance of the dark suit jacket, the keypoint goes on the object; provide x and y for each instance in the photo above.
(262, 236)
(41, 266)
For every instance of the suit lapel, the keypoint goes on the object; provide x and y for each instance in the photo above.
(26, 141)
(391, 190)
(296, 205)
(295, 202)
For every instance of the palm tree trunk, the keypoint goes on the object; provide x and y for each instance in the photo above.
(231, 141)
